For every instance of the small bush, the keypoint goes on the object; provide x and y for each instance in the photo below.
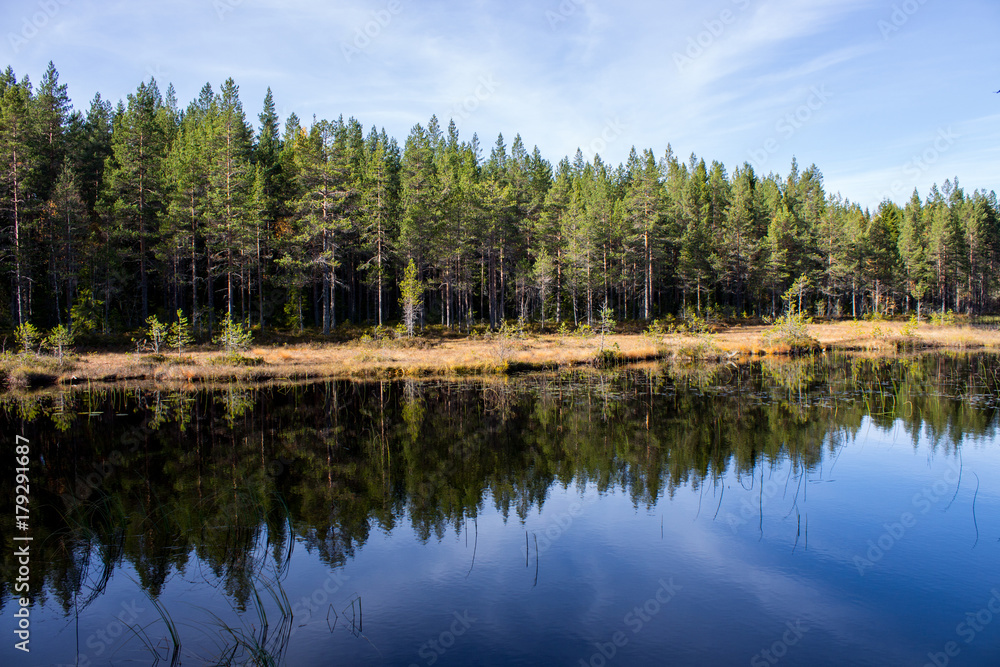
(789, 331)
(180, 335)
(609, 357)
(234, 337)
(28, 337)
(656, 330)
(943, 319)
(157, 332)
(60, 341)
(702, 347)
(236, 359)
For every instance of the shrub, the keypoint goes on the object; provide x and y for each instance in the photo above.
(702, 347)
(234, 336)
(790, 331)
(655, 330)
(59, 340)
(180, 335)
(28, 337)
(157, 332)
(86, 312)
(943, 319)
(609, 357)
(234, 358)
(606, 324)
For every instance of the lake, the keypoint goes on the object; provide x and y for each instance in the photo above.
(828, 511)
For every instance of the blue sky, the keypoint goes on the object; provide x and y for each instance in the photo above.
(882, 95)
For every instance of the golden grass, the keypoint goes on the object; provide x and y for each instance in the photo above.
(464, 357)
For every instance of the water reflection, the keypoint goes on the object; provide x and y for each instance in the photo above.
(220, 488)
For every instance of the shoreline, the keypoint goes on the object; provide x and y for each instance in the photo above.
(467, 356)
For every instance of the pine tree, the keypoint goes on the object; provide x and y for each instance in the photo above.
(881, 251)
(411, 296)
(420, 198)
(187, 170)
(18, 160)
(736, 256)
(51, 109)
(69, 226)
(913, 250)
(230, 181)
(322, 175)
(643, 217)
(135, 180)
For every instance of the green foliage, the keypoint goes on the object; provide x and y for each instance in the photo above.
(380, 336)
(793, 294)
(701, 347)
(59, 340)
(503, 340)
(156, 332)
(86, 312)
(609, 357)
(234, 337)
(606, 324)
(946, 319)
(180, 335)
(694, 324)
(411, 297)
(656, 330)
(144, 201)
(28, 337)
(790, 331)
(235, 358)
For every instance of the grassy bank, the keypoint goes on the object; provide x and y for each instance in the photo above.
(449, 355)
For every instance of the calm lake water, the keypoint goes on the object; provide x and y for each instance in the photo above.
(812, 512)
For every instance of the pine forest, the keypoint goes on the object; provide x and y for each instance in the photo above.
(144, 208)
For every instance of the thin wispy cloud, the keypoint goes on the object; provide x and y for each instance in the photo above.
(564, 70)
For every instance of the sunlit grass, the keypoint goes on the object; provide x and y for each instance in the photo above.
(479, 355)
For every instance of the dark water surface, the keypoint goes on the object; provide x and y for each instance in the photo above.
(814, 512)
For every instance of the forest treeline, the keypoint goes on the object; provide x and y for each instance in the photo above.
(142, 208)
